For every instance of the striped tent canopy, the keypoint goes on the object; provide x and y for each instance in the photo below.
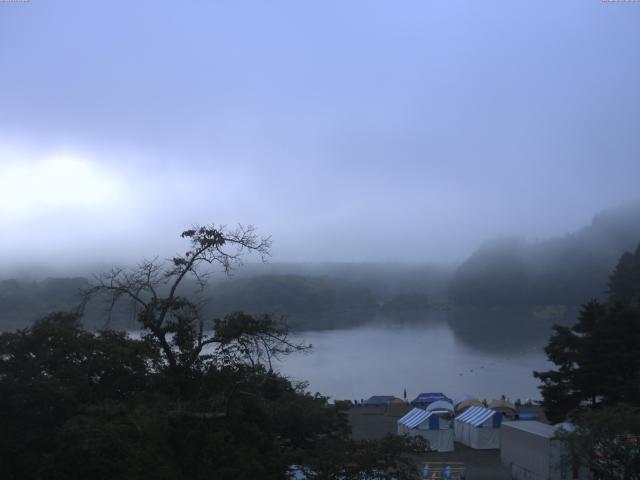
(414, 418)
(478, 428)
(476, 416)
(430, 425)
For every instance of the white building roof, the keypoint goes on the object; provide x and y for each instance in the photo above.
(533, 427)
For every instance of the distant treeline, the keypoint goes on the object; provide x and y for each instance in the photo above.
(509, 272)
(306, 301)
(23, 302)
(559, 271)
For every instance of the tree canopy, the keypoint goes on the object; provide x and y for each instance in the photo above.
(596, 382)
(183, 401)
(606, 442)
(597, 358)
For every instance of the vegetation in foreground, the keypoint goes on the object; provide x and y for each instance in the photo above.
(176, 403)
(597, 380)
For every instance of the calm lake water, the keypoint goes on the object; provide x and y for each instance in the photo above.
(486, 353)
(447, 353)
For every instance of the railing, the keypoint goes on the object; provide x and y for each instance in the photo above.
(443, 471)
(522, 473)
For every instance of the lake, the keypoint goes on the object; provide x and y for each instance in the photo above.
(486, 355)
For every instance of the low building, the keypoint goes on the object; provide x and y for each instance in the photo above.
(397, 408)
(378, 400)
(533, 452)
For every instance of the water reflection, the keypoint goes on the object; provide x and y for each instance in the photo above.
(448, 351)
(504, 330)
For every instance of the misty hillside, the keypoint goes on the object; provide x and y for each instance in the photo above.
(22, 302)
(306, 301)
(314, 300)
(384, 280)
(567, 270)
(504, 272)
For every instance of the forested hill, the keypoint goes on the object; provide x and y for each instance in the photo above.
(308, 302)
(566, 270)
(505, 272)
(22, 302)
(311, 296)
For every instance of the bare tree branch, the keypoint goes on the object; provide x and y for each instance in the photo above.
(173, 320)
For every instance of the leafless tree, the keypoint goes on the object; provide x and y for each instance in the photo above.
(153, 287)
(258, 341)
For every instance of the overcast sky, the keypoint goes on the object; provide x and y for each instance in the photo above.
(348, 130)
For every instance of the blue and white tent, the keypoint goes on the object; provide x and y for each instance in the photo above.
(432, 426)
(478, 428)
(425, 399)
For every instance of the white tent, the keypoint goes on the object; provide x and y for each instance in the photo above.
(432, 426)
(441, 406)
(478, 428)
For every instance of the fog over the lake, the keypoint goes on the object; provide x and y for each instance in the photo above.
(349, 131)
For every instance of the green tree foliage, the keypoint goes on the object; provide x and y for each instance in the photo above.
(392, 457)
(260, 340)
(597, 359)
(23, 302)
(606, 442)
(76, 404)
(304, 300)
(52, 373)
(178, 403)
(624, 282)
(307, 302)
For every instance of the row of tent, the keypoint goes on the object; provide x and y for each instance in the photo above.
(424, 400)
(459, 403)
(477, 427)
(531, 449)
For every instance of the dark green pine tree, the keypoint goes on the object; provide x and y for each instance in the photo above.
(597, 359)
(624, 282)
